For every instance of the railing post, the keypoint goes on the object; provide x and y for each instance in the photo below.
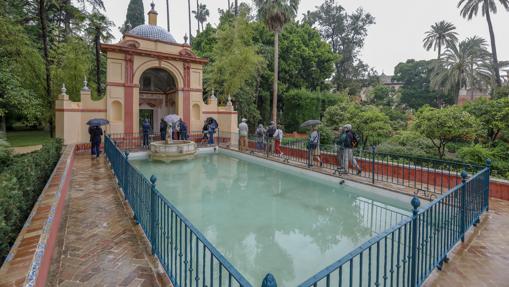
(413, 267)
(125, 183)
(153, 213)
(269, 281)
(373, 154)
(464, 176)
(487, 187)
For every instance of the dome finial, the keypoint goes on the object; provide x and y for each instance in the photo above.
(152, 15)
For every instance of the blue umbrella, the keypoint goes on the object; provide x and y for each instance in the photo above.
(98, 122)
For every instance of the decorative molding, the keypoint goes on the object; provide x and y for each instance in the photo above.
(219, 113)
(152, 54)
(113, 84)
(80, 110)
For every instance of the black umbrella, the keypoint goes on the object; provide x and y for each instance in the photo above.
(310, 123)
(98, 122)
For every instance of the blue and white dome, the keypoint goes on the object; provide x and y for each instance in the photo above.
(152, 32)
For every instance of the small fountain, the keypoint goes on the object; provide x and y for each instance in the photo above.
(172, 150)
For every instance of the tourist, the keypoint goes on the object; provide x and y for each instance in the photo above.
(340, 148)
(260, 137)
(314, 147)
(269, 137)
(212, 126)
(95, 137)
(183, 130)
(163, 126)
(146, 131)
(278, 138)
(351, 142)
(243, 133)
(205, 131)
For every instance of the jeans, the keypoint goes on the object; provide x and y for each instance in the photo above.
(348, 157)
(211, 137)
(96, 148)
(163, 135)
(183, 136)
(260, 145)
(145, 139)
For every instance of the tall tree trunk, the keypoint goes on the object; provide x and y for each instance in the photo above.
(276, 76)
(43, 19)
(168, 14)
(189, 12)
(493, 49)
(229, 5)
(198, 15)
(236, 7)
(439, 51)
(3, 125)
(98, 63)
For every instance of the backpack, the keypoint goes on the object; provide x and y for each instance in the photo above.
(355, 140)
(259, 133)
(271, 131)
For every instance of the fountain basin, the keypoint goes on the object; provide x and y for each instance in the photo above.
(177, 150)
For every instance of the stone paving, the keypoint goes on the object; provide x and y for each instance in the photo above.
(100, 245)
(483, 260)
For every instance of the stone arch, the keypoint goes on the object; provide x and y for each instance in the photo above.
(116, 111)
(169, 67)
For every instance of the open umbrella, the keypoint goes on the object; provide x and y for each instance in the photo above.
(171, 119)
(98, 122)
(310, 123)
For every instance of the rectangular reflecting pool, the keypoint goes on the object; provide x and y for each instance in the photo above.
(266, 218)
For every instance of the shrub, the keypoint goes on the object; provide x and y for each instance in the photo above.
(499, 156)
(20, 185)
(5, 154)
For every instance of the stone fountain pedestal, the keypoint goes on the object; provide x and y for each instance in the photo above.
(172, 151)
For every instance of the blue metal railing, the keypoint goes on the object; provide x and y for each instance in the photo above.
(406, 254)
(186, 255)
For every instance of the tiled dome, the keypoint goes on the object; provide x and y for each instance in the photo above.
(152, 32)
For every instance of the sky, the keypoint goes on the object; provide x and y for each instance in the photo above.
(396, 36)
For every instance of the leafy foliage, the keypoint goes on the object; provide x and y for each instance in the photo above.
(20, 185)
(302, 105)
(135, 15)
(416, 90)
(442, 126)
(371, 124)
(346, 33)
(493, 116)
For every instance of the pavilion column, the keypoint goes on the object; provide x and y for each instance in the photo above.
(187, 93)
(129, 95)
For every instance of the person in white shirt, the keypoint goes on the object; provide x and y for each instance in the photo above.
(278, 138)
(243, 133)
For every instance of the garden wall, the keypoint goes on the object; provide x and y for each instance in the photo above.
(29, 259)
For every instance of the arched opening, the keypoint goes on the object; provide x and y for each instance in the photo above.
(158, 96)
(116, 111)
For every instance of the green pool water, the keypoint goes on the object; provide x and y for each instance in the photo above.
(269, 219)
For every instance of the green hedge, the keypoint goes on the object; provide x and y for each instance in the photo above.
(303, 105)
(21, 183)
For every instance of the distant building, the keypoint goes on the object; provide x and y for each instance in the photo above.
(468, 95)
(385, 80)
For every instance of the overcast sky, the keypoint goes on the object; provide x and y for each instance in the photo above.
(396, 36)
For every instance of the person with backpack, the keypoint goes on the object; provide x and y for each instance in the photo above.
(351, 142)
(314, 147)
(278, 138)
(260, 137)
(340, 149)
(269, 136)
(95, 139)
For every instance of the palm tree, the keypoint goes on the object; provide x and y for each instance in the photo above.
(168, 14)
(99, 29)
(276, 13)
(189, 12)
(464, 66)
(470, 9)
(441, 34)
(201, 15)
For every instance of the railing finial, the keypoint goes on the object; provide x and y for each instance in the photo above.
(415, 204)
(464, 175)
(153, 179)
(269, 281)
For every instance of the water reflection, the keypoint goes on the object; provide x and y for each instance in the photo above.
(264, 220)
